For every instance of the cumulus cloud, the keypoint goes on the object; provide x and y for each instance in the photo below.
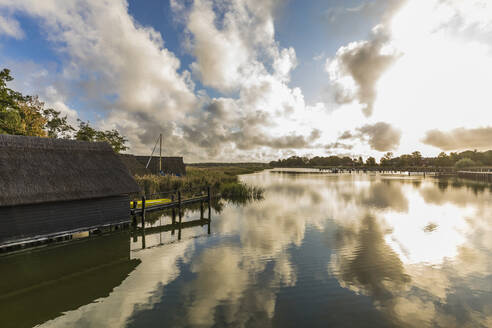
(357, 67)
(10, 27)
(460, 138)
(228, 52)
(143, 90)
(356, 70)
(380, 136)
(132, 76)
(339, 145)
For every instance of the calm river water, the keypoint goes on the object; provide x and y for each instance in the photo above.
(321, 250)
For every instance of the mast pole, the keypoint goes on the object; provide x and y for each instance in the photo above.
(160, 153)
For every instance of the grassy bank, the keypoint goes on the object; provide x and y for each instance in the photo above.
(222, 180)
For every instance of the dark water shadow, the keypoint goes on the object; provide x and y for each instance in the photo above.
(39, 285)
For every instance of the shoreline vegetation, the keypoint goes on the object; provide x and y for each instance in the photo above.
(222, 178)
(415, 161)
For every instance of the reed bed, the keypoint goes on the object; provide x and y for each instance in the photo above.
(222, 180)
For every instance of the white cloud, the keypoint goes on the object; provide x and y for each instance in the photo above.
(10, 27)
(115, 63)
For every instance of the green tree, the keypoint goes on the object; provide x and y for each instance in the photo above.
(360, 162)
(463, 163)
(112, 137)
(386, 159)
(85, 132)
(371, 161)
(32, 121)
(10, 118)
(416, 158)
(57, 126)
(443, 160)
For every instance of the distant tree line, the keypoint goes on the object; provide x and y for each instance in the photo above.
(27, 116)
(461, 160)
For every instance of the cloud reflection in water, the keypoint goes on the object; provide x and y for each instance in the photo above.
(330, 241)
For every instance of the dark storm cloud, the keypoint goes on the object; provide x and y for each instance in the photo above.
(460, 138)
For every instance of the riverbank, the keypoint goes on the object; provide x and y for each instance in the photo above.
(222, 180)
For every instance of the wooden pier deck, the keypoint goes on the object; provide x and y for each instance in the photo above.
(173, 205)
(170, 205)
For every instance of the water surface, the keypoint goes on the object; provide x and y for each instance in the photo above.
(341, 250)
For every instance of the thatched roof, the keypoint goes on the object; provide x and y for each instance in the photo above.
(37, 170)
(170, 165)
(133, 165)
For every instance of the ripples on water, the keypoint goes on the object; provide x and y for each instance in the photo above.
(349, 250)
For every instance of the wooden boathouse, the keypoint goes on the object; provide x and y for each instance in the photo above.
(50, 187)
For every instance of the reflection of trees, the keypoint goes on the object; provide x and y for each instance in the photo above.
(458, 183)
(366, 263)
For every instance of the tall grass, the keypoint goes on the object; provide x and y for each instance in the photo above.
(222, 180)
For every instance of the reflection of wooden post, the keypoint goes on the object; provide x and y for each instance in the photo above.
(179, 214)
(209, 203)
(201, 209)
(143, 238)
(143, 212)
(179, 225)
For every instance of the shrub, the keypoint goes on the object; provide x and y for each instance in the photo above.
(463, 163)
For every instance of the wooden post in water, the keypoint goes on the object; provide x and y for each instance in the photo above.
(201, 209)
(173, 215)
(143, 212)
(134, 218)
(209, 203)
(179, 202)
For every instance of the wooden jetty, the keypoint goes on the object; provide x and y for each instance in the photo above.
(475, 175)
(176, 207)
(177, 203)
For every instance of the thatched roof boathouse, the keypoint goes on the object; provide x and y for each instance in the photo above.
(53, 186)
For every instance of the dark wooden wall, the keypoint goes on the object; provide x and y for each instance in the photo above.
(29, 221)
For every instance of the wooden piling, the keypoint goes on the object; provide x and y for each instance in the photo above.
(179, 224)
(143, 212)
(173, 212)
(179, 202)
(134, 218)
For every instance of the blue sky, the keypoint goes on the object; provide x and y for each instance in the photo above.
(260, 79)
